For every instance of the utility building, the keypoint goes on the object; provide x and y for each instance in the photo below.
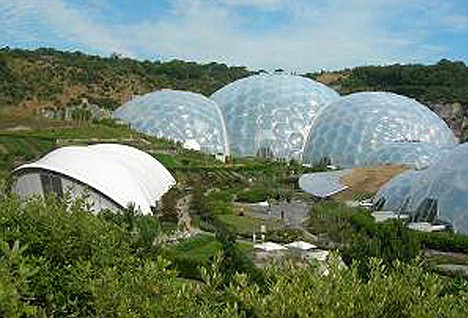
(109, 176)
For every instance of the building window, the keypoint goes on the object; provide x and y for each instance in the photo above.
(51, 184)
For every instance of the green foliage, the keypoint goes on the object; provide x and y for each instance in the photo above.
(444, 241)
(405, 291)
(234, 261)
(169, 209)
(255, 194)
(60, 260)
(188, 256)
(331, 220)
(285, 235)
(21, 148)
(218, 202)
(81, 115)
(389, 241)
(47, 76)
(242, 225)
(166, 160)
(361, 238)
(444, 81)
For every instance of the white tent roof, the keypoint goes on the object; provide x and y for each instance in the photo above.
(323, 184)
(191, 144)
(123, 173)
(301, 245)
(270, 246)
(320, 255)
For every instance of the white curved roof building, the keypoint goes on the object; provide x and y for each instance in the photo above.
(112, 176)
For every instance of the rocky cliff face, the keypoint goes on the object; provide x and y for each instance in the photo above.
(454, 114)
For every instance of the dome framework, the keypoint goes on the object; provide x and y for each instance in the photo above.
(438, 193)
(179, 116)
(350, 129)
(270, 115)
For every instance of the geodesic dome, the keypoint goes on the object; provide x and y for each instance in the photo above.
(271, 114)
(179, 116)
(357, 124)
(439, 192)
(445, 183)
(394, 195)
(415, 155)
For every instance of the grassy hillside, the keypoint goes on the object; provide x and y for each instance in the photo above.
(50, 78)
(445, 81)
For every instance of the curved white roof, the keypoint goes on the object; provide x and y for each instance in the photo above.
(323, 184)
(123, 173)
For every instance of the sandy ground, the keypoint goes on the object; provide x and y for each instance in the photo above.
(367, 180)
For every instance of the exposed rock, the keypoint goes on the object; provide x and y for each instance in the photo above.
(454, 115)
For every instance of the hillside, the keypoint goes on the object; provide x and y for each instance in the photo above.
(50, 78)
(47, 78)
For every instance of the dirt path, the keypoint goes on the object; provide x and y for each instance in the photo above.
(185, 220)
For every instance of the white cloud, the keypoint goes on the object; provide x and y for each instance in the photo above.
(262, 4)
(36, 19)
(312, 34)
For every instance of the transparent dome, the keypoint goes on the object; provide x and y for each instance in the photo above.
(415, 155)
(438, 193)
(177, 115)
(271, 114)
(355, 125)
(394, 195)
(445, 185)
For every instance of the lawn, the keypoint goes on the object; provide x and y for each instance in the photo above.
(200, 248)
(245, 225)
(166, 160)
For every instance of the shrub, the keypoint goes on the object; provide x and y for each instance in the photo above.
(444, 241)
(285, 235)
(255, 194)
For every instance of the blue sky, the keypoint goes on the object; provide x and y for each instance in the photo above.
(296, 35)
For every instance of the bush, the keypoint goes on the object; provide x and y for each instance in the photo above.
(285, 235)
(253, 195)
(444, 241)
(218, 202)
(361, 238)
(59, 259)
(169, 210)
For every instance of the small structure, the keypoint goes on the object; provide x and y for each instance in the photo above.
(366, 203)
(318, 255)
(301, 245)
(323, 184)
(262, 206)
(84, 110)
(107, 176)
(426, 227)
(270, 247)
(300, 249)
(382, 216)
(191, 144)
